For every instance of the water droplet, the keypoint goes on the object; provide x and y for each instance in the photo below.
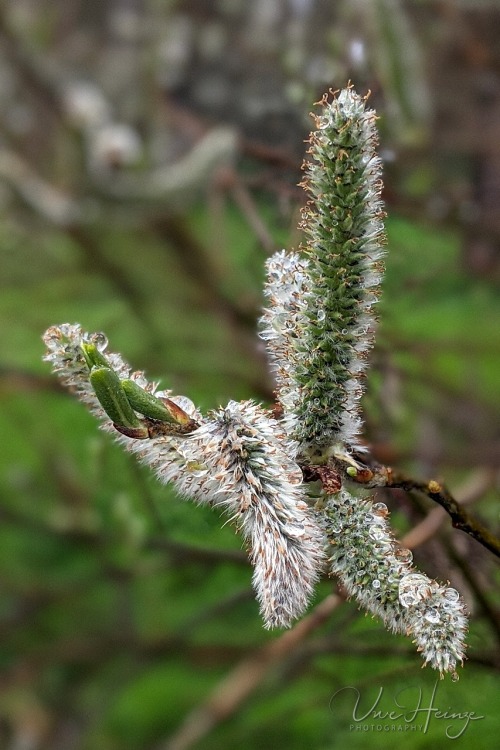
(376, 533)
(412, 589)
(454, 677)
(52, 339)
(380, 509)
(321, 315)
(69, 330)
(407, 598)
(100, 340)
(432, 615)
(375, 519)
(139, 379)
(361, 331)
(160, 394)
(376, 583)
(403, 555)
(294, 530)
(451, 595)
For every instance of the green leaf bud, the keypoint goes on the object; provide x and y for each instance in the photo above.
(147, 404)
(108, 389)
(93, 356)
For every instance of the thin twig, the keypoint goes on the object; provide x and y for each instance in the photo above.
(473, 490)
(459, 517)
(376, 475)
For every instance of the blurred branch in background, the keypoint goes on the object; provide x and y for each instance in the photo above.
(238, 685)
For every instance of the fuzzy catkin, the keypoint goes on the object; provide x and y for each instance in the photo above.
(379, 575)
(343, 222)
(236, 460)
(260, 486)
(286, 287)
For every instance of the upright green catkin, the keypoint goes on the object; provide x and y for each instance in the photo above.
(343, 223)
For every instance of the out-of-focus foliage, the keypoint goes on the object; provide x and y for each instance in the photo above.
(148, 159)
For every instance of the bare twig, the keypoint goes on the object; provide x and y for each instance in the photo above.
(475, 488)
(479, 483)
(376, 475)
(459, 517)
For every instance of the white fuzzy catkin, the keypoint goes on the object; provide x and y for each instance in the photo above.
(281, 324)
(237, 461)
(379, 574)
(251, 476)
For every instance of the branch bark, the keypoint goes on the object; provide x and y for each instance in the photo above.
(376, 475)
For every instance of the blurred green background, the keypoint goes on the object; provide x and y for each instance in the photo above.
(149, 160)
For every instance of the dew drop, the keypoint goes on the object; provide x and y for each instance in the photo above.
(403, 555)
(100, 340)
(294, 530)
(406, 598)
(451, 595)
(380, 509)
(52, 338)
(376, 533)
(139, 379)
(376, 583)
(454, 677)
(412, 589)
(69, 330)
(159, 394)
(432, 615)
